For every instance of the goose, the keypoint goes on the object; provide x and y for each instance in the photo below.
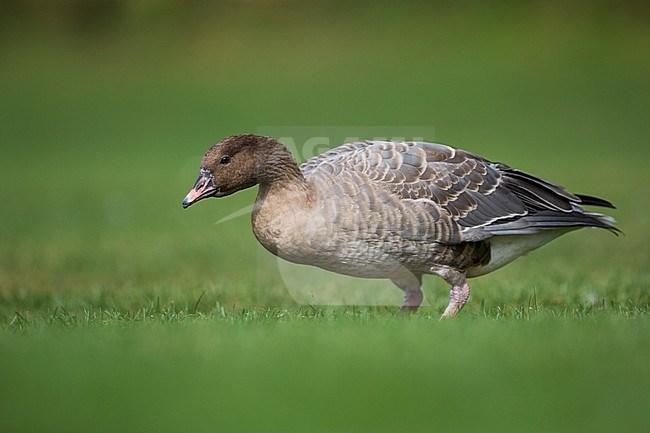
(394, 209)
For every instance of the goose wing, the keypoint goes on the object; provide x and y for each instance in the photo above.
(478, 197)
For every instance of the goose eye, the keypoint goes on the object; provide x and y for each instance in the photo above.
(224, 160)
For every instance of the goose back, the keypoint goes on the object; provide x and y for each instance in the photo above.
(469, 197)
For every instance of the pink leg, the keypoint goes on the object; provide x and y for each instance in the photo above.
(412, 301)
(458, 295)
(413, 295)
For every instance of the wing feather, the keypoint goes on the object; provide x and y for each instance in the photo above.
(470, 196)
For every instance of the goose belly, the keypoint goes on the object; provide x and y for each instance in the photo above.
(367, 258)
(355, 253)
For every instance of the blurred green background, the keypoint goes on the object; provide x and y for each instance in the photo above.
(105, 110)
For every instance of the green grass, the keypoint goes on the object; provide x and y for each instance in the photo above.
(327, 371)
(120, 311)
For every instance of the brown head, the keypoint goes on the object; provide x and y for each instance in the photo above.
(239, 162)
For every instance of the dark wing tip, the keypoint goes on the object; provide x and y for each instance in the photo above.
(594, 201)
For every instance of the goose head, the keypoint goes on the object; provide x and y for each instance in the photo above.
(239, 162)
